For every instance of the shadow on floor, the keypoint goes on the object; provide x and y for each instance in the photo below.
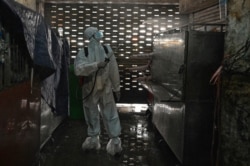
(142, 146)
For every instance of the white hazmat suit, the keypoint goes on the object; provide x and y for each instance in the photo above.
(101, 78)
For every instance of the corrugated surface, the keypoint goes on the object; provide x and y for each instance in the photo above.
(190, 6)
(213, 14)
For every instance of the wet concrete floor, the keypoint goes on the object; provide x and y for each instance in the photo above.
(142, 145)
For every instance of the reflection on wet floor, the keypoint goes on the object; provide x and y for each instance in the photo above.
(141, 145)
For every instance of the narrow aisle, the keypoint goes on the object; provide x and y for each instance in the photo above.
(141, 146)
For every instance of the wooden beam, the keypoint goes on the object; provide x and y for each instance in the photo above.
(151, 2)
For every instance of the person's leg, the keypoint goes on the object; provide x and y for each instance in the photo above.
(92, 119)
(112, 124)
(111, 119)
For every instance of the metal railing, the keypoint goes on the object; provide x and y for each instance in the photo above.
(14, 66)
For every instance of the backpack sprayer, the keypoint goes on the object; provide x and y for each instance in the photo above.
(106, 60)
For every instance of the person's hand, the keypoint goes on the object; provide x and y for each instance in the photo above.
(118, 95)
(101, 64)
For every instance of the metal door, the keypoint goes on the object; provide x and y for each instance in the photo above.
(128, 28)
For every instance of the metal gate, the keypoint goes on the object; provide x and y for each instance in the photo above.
(128, 28)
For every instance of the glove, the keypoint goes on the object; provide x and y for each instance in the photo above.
(118, 95)
(101, 64)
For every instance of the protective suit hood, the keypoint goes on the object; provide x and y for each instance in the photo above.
(89, 32)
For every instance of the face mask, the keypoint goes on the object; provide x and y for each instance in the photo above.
(98, 35)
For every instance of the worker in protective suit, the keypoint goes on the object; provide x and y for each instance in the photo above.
(101, 77)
